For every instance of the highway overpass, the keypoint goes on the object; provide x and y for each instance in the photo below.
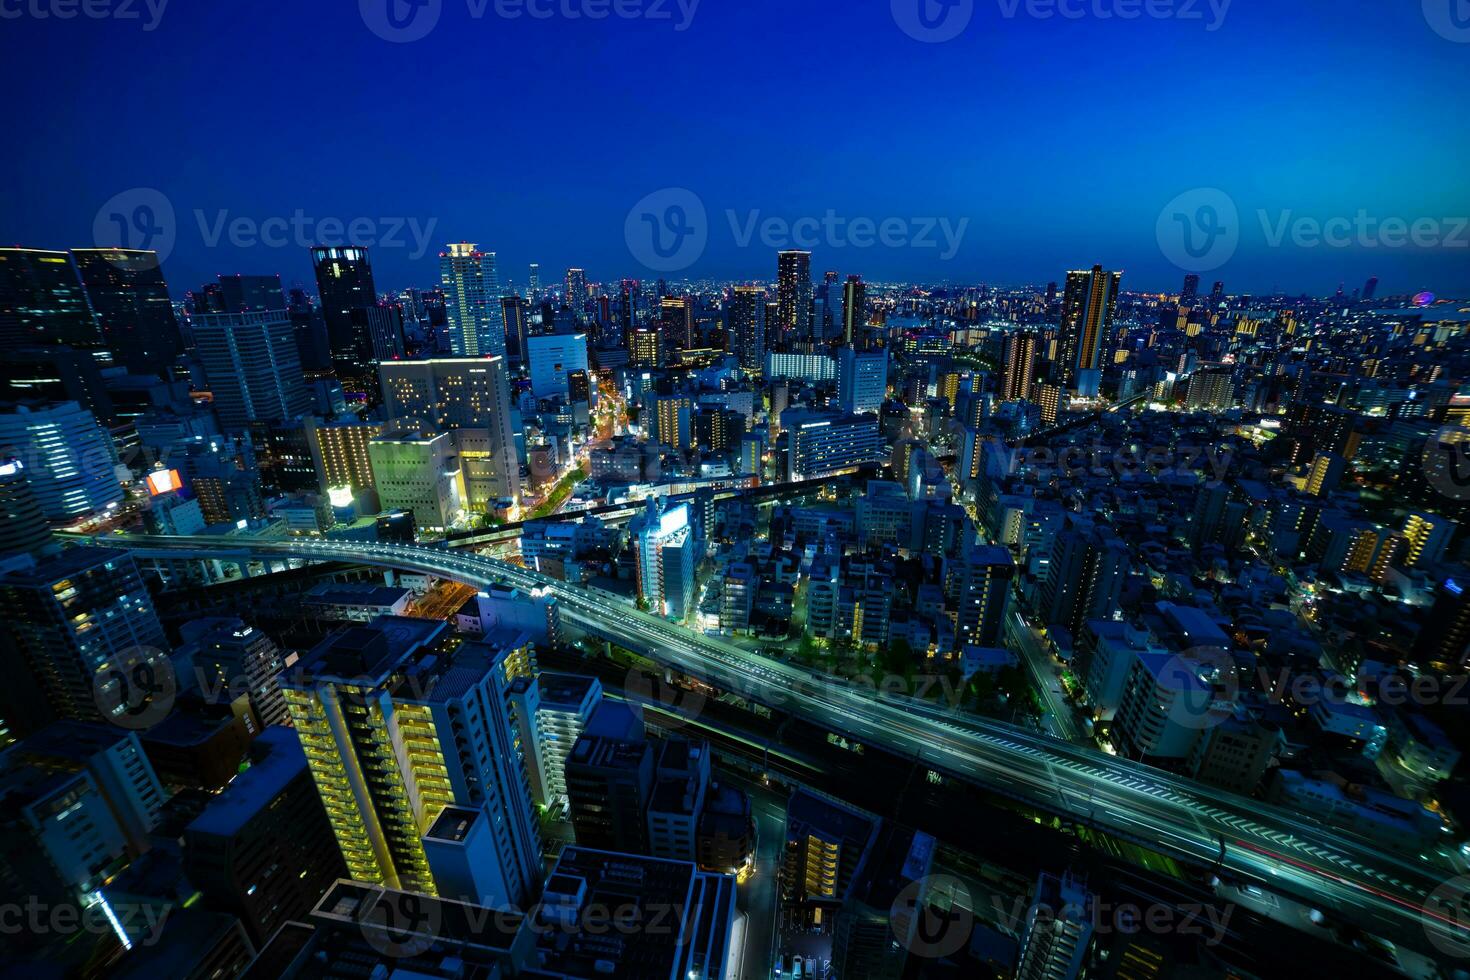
(1329, 867)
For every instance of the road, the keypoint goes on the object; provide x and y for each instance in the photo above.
(1324, 864)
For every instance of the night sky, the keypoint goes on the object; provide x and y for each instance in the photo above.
(1059, 140)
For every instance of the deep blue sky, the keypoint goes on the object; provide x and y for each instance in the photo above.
(1060, 141)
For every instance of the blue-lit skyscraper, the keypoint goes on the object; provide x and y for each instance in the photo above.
(472, 301)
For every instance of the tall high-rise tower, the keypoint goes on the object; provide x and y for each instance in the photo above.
(41, 300)
(472, 301)
(1020, 362)
(576, 293)
(253, 367)
(129, 296)
(794, 295)
(745, 323)
(854, 310)
(344, 281)
(1088, 305)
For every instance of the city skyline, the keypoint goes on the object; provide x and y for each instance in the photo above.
(1045, 180)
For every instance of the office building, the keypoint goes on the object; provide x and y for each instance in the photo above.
(471, 287)
(1020, 366)
(458, 393)
(42, 302)
(552, 359)
(1057, 935)
(231, 658)
(576, 293)
(1190, 290)
(398, 723)
(339, 451)
(862, 380)
(854, 312)
(610, 780)
(1085, 578)
(676, 323)
(793, 297)
(82, 622)
(263, 849)
(130, 298)
(253, 367)
(68, 459)
(823, 443)
(344, 282)
(675, 922)
(247, 294)
(667, 556)
(23, 525)
(985, 577)
(745, 326)
(1088, 305)
(515, 313)
(418, 471)
(57, 374)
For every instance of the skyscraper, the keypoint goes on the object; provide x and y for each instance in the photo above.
(249, 294)
(1020, 365)
(68, 458)
(82, 621)
(458, 393)
(576, 293)
(129, 296)
(398, 723)
(1217, 292)
(533, 287)
(677, 322)
(42, 302)
(794, 295)
(23, 527)
(746, 326)
(1370, 288)
(514, 313)
(344, 281)
(472, 300)
(862, 380)
(666, 559)
(854, 311)
(1190, 290)
(1088, 304)
(253, 367)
